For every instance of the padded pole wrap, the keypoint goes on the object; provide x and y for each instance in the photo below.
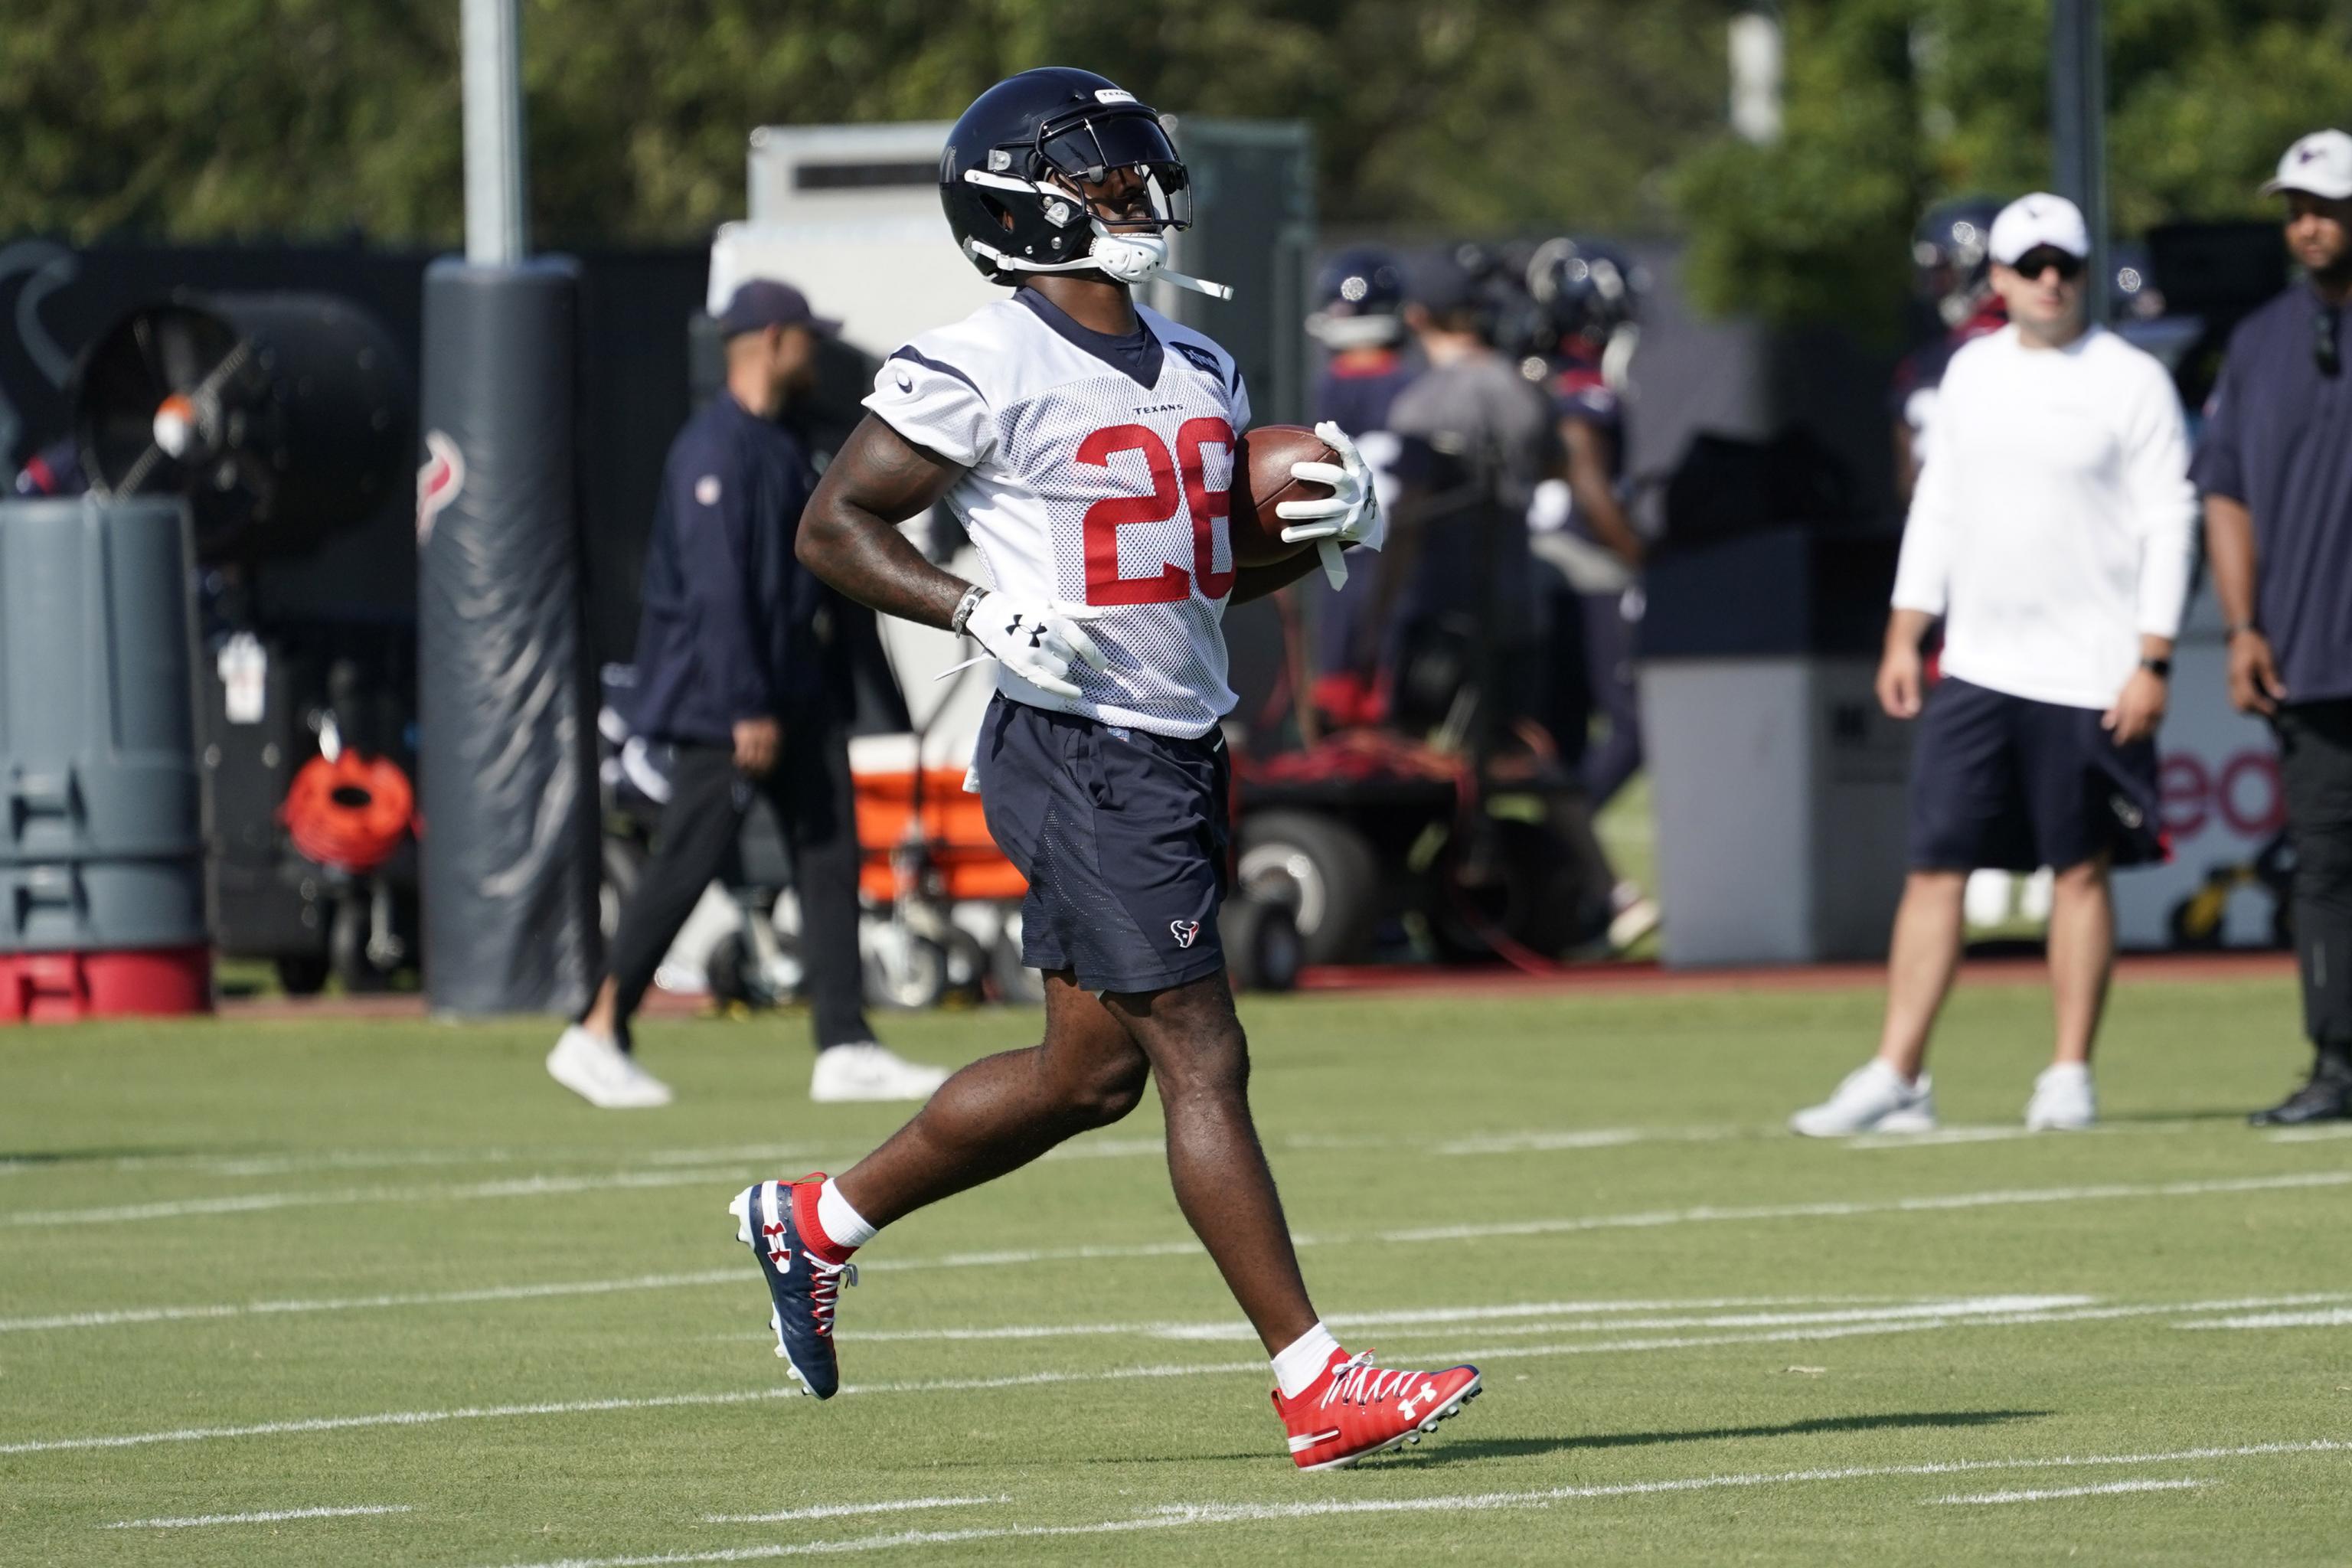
(507, 748)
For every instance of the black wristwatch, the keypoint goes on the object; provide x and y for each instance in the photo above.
(2160, 667)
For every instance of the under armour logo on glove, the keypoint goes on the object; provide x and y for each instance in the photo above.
(1040, 643)
(1186, 932)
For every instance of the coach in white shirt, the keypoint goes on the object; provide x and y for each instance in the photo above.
(2051, 532)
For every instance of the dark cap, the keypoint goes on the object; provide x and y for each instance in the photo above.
(763, 302)
(1441, 285)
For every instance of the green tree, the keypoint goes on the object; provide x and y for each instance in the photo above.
(311, 117)
(1894, 103)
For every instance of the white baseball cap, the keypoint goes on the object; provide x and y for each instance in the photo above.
(2320, 163)
(2037, 220)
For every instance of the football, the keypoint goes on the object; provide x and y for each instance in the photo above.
(1262, 479)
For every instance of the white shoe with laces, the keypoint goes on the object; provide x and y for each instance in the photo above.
(865, 1071)
(1873, 1098)
(596, 1068)
(2064, 1099)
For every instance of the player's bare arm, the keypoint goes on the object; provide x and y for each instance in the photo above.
(849, 534)
(1591, 455)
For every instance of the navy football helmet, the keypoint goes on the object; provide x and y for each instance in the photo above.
(1358, 300)
(1013, 173)
(1588, 292)
(1950, 255)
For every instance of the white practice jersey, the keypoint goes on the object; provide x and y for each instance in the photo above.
(1097, 473)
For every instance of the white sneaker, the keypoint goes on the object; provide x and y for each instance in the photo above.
(598, 1071)
(1873, 1098)
(2064, 1099)
(867, 1071)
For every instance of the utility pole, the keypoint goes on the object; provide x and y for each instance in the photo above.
(497, 231)
(2078, 132)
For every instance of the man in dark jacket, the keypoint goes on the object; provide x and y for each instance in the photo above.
(2274, 468)
(738, 672)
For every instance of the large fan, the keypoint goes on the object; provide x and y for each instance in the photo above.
(282, 417)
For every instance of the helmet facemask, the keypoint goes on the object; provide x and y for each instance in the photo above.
(1114, 173)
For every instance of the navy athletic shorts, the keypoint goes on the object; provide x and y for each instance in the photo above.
(1122, 835)
(2009, 784)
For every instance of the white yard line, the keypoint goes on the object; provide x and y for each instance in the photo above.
(198, 1312)
(2334, 1318)
(1238, 1331)
(249, 1203)
(1254, 1367)
(1544, 1140)
(544, 1185)
(271, 1517)
(1650, 1219)
(1183, 1516)
(2047, 1494)
(1997, 1198)
(837, 1511)
(1882, 1325)
(407, 1159)
(2319, 1134)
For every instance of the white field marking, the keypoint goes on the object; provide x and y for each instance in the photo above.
(2333, 1318)
(2310, 1134)
(837, 1511)
(1254, 1367)
(129, 1315)
(1997, 1198)
(1884, 1325)
(1177, 1516)
(250, 1203)
(398, 1159)
(1647, 1220)
(2045, 1494)
(1544, 1140)
(270, 1517)
(1993, 1135)
(1958, 1307)
(1221, 1329)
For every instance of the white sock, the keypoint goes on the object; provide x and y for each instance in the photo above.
(1298, 1364)
(842, 1225)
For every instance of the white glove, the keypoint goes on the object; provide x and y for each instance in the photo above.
(1351, 514)
(1036, 641)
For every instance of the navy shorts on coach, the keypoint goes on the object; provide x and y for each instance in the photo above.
(2008, 784)
(1122, 835)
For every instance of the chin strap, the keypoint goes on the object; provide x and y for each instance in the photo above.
(1142, 263)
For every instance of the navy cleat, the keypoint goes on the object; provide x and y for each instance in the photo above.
(804, 1287)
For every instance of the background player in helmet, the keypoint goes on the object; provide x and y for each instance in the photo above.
(1087, 445)
(1358, 317)
(1951, 272)
(1590, 296)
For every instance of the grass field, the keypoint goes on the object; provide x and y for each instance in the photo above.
(252, 1269)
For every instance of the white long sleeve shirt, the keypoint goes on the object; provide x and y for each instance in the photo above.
(2052, 524)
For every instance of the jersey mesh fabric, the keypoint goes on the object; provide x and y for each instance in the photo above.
(1014, 403)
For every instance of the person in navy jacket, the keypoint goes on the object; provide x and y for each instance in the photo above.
(739, 673)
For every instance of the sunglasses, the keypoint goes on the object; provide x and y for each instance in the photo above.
(2034, 263)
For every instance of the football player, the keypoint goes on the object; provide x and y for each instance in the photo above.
(1087, 445)
(1951, 271)
(1359, 316)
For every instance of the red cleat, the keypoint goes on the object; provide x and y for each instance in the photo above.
(1356, 1409)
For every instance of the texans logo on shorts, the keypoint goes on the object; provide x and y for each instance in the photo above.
(1186, 932)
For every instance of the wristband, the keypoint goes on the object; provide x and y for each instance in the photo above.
(2160, 667)
(965, 606)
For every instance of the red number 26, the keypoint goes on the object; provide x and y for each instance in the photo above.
(1208, 508)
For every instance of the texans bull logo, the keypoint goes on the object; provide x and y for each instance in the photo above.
(1185, 932)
